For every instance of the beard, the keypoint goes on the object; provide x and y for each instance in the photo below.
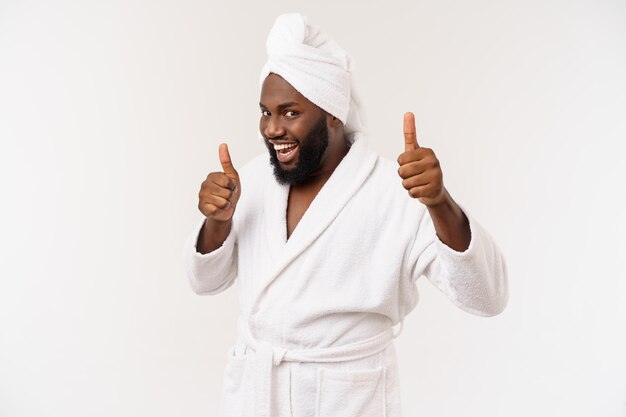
(312, 149)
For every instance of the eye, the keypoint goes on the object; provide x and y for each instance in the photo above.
(291, 113)
(265, 113)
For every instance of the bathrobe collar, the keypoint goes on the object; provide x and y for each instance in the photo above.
(343, 183)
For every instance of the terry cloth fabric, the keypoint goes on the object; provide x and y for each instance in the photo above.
(347, 273)
(316, 66)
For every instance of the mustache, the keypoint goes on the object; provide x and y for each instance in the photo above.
(266, 139)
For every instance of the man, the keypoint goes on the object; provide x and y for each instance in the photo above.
(327, 240)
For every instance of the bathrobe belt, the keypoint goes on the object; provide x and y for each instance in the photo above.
(267, 356)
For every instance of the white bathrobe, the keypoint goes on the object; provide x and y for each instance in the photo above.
(317, 310)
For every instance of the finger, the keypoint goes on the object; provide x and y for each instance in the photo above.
(220, 179)
(417, 181)
(208, 209)
(227, 165)
(412, 168)
(214, 189)
(410, 137)
(217, 201)
(419, 192)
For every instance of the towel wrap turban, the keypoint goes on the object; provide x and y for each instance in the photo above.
(315, 65)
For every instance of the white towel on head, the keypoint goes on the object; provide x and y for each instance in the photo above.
(316, 66)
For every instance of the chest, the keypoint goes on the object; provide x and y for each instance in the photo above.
(297, 204)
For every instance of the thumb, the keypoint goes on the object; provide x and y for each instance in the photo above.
(410, 137)
(227, 165)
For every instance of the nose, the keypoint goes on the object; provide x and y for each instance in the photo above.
(272, 127)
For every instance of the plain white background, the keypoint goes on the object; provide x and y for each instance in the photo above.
(110, 117)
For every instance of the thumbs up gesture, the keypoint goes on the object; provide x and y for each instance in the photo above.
(220, 191)
(419, 168)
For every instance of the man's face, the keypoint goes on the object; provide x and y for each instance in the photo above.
(294, 129)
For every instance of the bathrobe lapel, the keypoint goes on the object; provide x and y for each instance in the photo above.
(347, 178)
(275, 200)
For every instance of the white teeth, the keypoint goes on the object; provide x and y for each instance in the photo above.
(285, 146)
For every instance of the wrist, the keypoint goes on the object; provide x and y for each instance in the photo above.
(213, 234)
(215, 224)
(446, 204)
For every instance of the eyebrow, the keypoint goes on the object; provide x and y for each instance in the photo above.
(282, 106)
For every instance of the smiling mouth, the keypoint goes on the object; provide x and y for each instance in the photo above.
(286, 152)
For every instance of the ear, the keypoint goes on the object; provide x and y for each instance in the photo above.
(333, 121)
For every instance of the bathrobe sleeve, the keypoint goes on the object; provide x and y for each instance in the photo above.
(213, 272)
(475, 279)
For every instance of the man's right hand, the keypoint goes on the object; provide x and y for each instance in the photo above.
(220, 191)
(218, 198)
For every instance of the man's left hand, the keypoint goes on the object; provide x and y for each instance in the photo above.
(419, 168)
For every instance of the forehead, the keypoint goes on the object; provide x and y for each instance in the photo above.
(277, 90)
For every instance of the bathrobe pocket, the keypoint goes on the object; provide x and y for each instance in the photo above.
(343, 393)
(233, 385)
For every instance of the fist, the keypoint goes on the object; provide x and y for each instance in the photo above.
(419, 168)
(220, 191)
